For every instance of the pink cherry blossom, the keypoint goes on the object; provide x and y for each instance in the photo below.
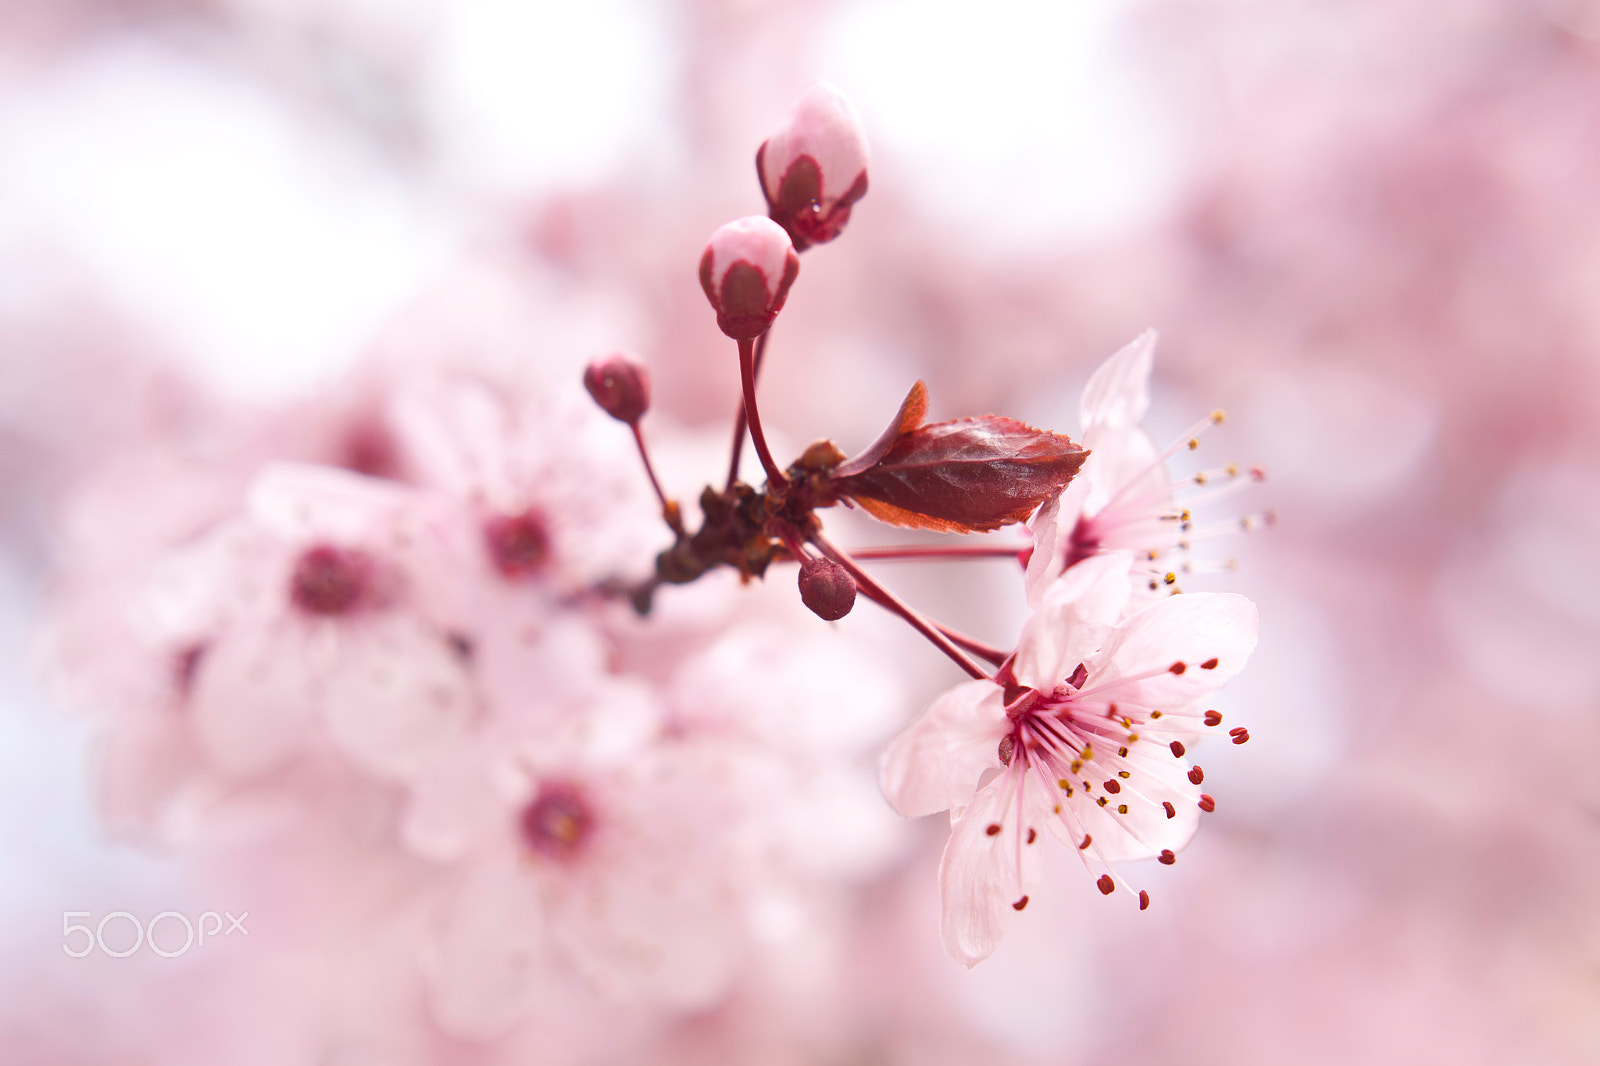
(624, 871)
(321, 614)
(1123, 498)
(1086, 741)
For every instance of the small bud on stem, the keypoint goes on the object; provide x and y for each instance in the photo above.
(746, 271)
(814, 168)
(826, 588)
(620, 384)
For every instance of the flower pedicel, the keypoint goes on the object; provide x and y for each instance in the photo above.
(1080, 730)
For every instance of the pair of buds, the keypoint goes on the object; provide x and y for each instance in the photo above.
(812, 170)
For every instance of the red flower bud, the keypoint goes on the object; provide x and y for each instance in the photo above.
(620, 384)
(746, 272)
(827, 588)
(815, 167)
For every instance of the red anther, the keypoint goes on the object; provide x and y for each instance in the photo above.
(746, 272)
(1019, 904)
(620, 384)
(330, 581)
(826, 588)
(1213, 718)
(992, 828)
(1144, 900)
(1008, 747)
(558, 821)
(1113, 786)
(1178, 668)
(1241, 736)
(1172, 811)
(1207, 804)
(1209, 664)
(1167, 857)
(1196, 775)
(1087, 840)
(1107, 886)
(519, 544)
(1177, 748)
(1033, 834)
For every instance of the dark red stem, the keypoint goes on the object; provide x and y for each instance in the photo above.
(669, 509)
(737, 451)
(887, 600)
(941, 551)
(776, 482)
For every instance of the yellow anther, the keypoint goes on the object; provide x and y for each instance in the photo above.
(1218, 417)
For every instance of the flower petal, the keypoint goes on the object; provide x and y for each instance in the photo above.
(398, 694)
(1211, 634)
(986, 871)
(1073, 620)
(935, 763)
(251, 700)
(1044, 565)
(489, 958)
(1118, 393)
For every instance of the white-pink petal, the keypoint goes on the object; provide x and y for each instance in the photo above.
(399, 695)
(1118, 393)
(251, 699)
(1210, 634)
(987, 869)
(934, 765)
(1073, 620)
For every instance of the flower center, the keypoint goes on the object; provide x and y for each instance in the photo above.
(519, 545)
(329, 580)
(558, 822)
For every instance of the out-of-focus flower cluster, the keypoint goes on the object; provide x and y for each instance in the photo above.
(377, 626)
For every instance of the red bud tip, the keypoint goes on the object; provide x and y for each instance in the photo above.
(620, 384)
(827, 588)
(746, 272)
(814, 168)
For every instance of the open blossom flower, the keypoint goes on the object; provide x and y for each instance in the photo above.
(1123, 499)
(619, 867)
(1087, 742)
(322, 613)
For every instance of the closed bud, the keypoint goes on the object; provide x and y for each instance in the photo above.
(826, 588)
(620, 384)
(746, 272)
(815, 167)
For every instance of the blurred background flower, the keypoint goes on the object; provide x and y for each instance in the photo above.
(240, 231)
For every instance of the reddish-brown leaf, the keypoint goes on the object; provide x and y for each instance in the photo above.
(970, 475)
(913, 409)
